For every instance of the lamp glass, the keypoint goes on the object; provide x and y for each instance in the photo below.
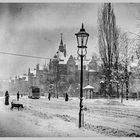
(82, 39)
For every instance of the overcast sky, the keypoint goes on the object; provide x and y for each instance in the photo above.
(34, 29)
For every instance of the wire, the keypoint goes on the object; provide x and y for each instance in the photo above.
(23, 55)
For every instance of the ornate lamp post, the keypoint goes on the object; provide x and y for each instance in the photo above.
(82, 38)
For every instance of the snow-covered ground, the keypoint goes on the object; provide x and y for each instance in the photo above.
(41, 117)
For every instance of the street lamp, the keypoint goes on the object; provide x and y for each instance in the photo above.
(82, 38)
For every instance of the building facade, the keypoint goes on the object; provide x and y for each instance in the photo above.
(63, 72)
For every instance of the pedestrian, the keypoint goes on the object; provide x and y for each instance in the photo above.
(49, 96)
(18, 96)
(6, 98)
(66, 97)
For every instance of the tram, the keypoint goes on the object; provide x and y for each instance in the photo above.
(34, 92)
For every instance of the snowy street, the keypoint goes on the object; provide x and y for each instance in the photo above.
(41, 117)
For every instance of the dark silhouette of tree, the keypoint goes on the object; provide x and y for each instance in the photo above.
(107, 38)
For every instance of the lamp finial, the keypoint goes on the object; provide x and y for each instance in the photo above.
(82, 25)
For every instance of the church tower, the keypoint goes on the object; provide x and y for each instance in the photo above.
(62, 47)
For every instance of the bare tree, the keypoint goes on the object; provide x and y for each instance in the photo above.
(107, 37)
(125, 55)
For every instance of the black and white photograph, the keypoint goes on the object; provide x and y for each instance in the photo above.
(70, 69)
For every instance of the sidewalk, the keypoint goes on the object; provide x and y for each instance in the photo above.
(22, 124)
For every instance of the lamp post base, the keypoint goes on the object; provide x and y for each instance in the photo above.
(81, 119)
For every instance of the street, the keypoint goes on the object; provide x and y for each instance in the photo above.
(44, 118)
(37, 119)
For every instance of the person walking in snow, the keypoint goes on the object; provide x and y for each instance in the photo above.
(49, 96)
(18, 96)
(66, 97)
(6, 98)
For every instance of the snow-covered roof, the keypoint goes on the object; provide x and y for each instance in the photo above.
(26, 78)
(41, 67)
(20, 76)
(88, 87)
(23, 76)
(63, 60)
(33, 71)
(61, 55)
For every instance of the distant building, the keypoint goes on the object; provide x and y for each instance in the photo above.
(66, 69)
(63, 71)
(19, 83)
(38, 77)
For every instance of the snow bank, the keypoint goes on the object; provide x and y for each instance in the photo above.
(114, 102)
(100, 101)
(111, 102)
